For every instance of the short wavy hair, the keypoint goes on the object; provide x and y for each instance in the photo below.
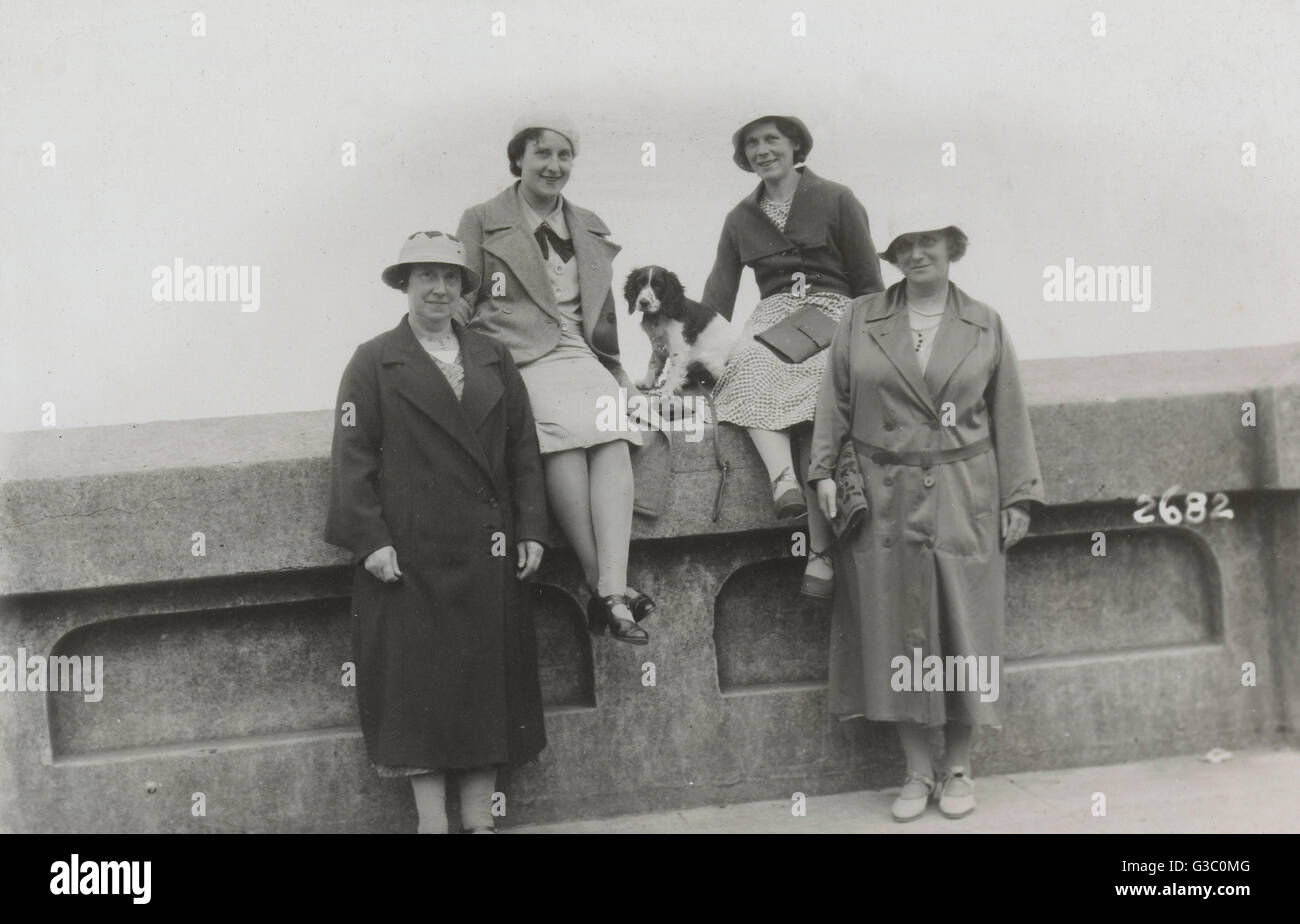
(954, 237)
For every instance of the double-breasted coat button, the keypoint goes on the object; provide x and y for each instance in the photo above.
(928, 481)
(887, 542)
(889, 481)
(889, 425)
(934, 425)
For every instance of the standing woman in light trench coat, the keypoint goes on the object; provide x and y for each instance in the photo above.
(923, 380)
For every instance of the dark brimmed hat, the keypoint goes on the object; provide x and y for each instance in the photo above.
(802, 137)
(431, 247)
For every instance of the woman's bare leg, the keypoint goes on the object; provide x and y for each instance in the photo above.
(916, 747)
(957, 742)
(568, 491)
(430, 790)
(476, 789)
(774, 449)
(610, 467)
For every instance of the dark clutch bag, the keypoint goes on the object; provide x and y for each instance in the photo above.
(851, 507)
(805, 333)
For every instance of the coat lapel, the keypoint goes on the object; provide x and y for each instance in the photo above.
(595, 256)
(416, 377)
(959, 332)
(894, 338)
(506, 236)
(483, 389)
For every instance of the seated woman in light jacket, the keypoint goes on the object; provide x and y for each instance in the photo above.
(808, 242)
(546, 266)
(922, 382)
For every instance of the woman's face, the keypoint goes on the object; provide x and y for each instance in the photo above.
(431, 291)
(545, 165)
(769, 152)
(923, 257)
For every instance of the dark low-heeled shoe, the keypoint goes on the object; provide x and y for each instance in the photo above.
(600, 616)
(789, 504)
(641, 605)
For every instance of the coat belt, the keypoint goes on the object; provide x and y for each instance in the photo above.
(923, 457)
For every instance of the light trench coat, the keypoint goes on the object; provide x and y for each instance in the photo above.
(926, 571)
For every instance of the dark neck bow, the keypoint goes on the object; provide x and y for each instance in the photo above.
(544, 234)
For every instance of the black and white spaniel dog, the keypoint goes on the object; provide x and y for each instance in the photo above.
(689, 342)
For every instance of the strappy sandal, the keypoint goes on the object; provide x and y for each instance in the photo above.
(912, 801)
(818, 587)
(789, 504)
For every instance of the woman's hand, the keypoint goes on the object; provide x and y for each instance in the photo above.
(1015, 523)
(530, 557)
(826, 497)
(382, 563)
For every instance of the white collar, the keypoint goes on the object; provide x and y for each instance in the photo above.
(555, 219)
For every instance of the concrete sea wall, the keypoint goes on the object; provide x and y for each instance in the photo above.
(222, 672)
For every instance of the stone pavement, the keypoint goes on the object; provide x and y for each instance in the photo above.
(1251, 792)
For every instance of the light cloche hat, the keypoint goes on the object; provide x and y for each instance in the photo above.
(431, 247)
(914, 220)
(549, 120)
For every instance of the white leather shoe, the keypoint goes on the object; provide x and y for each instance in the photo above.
(912, 801)
(957, 799)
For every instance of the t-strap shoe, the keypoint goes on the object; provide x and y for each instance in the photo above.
(912, 801)
(600, 616)
(789, 504)
(957, 799)
(641, 604)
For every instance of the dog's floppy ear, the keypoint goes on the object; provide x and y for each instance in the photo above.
(631, 288)
(674, 294)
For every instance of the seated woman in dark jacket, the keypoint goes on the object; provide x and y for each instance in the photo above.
(808, 242)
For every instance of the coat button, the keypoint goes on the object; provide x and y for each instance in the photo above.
(928, 481)
(887, 542)
(934, 425)
(889, 481)
(609, 316)
(889, 425)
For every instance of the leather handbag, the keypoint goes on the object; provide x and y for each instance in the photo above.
(805, 333)
(851, 507)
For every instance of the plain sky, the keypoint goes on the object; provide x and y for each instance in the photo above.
(227, 148)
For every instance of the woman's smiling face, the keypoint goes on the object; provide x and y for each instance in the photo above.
(923, 256)
(545, 165)
(769, 152)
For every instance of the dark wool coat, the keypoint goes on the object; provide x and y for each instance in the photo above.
(926, 570)
(446, 657)
(826, 238)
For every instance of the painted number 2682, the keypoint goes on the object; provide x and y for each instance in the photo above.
(1196, 508)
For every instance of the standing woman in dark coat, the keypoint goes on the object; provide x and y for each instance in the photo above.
(808, 243)
(437, 492)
